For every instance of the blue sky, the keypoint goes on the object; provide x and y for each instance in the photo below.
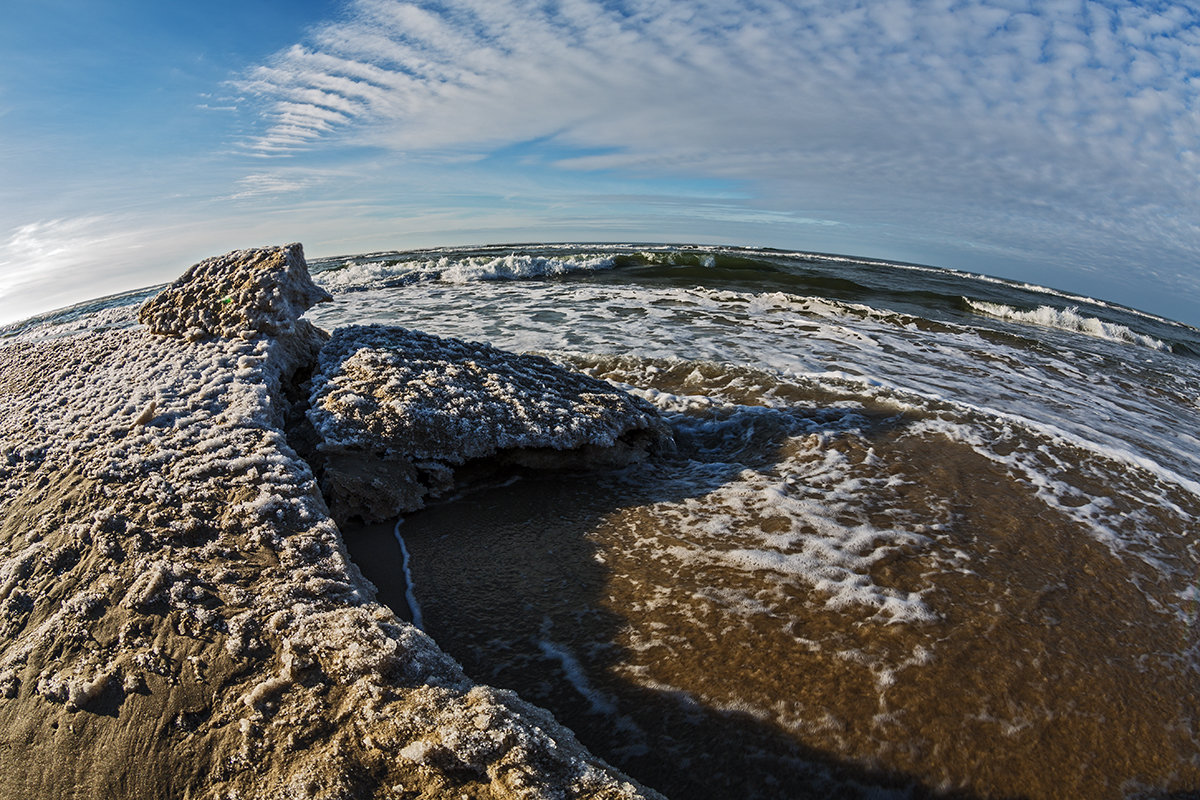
(1052, 142)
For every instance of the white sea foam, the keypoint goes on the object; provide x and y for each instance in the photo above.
(354, 274)
(795, 521)
(410, 593)
(453, 268)
(1067, 319)
(520, 266)
(1048, 461)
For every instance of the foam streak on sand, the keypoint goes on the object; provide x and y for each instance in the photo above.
(576, 675)
(410, 594)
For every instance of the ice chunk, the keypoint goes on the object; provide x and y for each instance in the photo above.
(261, 290)
(396, 410)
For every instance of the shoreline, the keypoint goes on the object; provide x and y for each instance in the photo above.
(819, 588)
(374, 549)
(179, 615)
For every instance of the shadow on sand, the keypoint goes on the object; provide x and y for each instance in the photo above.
(511, 585)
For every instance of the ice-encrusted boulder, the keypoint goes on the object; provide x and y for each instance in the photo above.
(239, 294)
(178, 614)
(396, 411)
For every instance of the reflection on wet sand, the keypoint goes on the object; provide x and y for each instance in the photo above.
(1024, 657)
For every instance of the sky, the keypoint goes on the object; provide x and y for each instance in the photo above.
(1055, 142)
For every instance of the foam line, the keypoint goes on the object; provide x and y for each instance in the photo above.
(573, 670)
(409, 595)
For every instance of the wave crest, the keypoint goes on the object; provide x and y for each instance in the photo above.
(1067, 319)
(456, 269)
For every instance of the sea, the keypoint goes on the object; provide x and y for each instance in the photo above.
(922, 532)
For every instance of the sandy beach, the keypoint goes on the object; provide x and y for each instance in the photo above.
(180, 617)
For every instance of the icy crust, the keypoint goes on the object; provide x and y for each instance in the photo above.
(244, 292)
(178, 617)
(396, 411)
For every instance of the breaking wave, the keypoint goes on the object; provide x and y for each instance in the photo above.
(352, 274)
(1067, 319)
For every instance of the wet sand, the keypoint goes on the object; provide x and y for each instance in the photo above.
(1046, 673)
(178, 615)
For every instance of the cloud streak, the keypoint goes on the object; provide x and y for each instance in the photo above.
(1012, 126)
(1080, 71)
(59, 256)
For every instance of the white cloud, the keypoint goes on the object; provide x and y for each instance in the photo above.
(54, 262)
(50, 247)
(500, 69)
(279, 182)
(1013, 126)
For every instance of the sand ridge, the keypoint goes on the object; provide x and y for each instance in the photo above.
(178, 616)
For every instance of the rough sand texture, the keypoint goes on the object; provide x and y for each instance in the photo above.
(396, 411)
(178, 616)
(239, 294)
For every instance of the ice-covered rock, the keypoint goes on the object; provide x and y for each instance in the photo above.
(396, 411)
(239, 294)
(178, 615)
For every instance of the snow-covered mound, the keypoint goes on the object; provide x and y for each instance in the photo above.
(395, 411)
(178, 616)
(242, 293)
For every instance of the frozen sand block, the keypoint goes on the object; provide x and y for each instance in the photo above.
(239, 294)
(178, 616)
(397, 411)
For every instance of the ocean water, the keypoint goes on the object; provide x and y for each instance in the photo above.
(923, 531)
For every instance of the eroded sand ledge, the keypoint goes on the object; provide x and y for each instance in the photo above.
(178, 616)
(397, 412)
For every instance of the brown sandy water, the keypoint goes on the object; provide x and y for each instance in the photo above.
(906, 613)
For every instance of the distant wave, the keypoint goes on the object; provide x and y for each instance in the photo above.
(515, 267)
(456, 269)
(1067, 319)
(978, 276)
(1078, 298)
(104, 313)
